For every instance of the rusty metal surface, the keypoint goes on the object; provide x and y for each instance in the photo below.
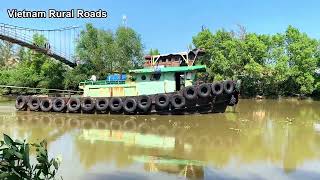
(117, 91)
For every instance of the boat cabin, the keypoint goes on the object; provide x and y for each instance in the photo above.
(145, 81)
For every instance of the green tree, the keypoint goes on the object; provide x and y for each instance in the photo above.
(153, 52)
(35, 70)
(7, 55)
(106, 52)
(74, 76)
(284, 63)
(223, 57)
(22, 54)
(129, 48)
(302, 60)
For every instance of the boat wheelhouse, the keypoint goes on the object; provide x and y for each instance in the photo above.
(146, 81)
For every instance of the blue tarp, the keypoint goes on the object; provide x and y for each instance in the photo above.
(116, 77)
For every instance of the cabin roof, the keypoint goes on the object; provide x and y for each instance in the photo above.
(198, 51)
(169, 69)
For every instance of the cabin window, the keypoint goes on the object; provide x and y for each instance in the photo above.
(143, 77)
(189, 75)
(184, 57)
(155, 77)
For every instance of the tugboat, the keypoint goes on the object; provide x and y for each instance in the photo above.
(166, 85)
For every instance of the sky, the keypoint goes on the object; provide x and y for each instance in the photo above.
(169, 25)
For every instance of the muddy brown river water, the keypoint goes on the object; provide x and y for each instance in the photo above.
(268, 139)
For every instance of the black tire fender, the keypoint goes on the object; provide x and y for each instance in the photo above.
(162, 101)
(144, 103)
(130, 105)
(73, 105)
(34, 103)
(190, 93)
(21, 102)
(228, 86)
(217, 88)
(204, 90)
(58, 104)
(102, 104)
(46, 105)
(87, 104)
(115, 104)
(178, 101)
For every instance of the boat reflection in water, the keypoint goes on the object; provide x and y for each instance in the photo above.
(164, 145)
(258, 143)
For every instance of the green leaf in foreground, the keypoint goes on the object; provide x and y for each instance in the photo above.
(15, 161)
(7, 140)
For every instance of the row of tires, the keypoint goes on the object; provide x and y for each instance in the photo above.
(188, 96)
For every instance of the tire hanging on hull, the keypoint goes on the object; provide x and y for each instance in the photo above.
(34, 103)
(115, 104)
(228, 86)
(204, 90)
(58, 105)
(144, 103)
(162, 101)
(73, 105)
(190, 93)
(130, 105)
(46, 105)
(217, 88)
(102, 104)
(178, 101)
(87, 104)
(21, 103)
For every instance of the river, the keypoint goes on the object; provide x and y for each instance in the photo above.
(261, 139)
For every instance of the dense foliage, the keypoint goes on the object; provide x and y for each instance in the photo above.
(100, 52)
(154, 52)
(280, 64)
(33, 69)
(15, 161)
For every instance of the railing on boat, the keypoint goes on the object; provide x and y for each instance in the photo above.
(101, 82)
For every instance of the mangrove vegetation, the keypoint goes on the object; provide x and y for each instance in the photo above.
(281, 64)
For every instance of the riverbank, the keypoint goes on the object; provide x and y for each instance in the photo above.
(279, 97)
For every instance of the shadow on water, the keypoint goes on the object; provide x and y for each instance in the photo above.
(224, 146)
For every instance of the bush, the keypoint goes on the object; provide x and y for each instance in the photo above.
(15, 161)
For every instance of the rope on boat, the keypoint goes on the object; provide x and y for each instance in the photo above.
(22, 87)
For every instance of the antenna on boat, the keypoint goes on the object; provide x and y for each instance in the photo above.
(203, 27)
(124, 21)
